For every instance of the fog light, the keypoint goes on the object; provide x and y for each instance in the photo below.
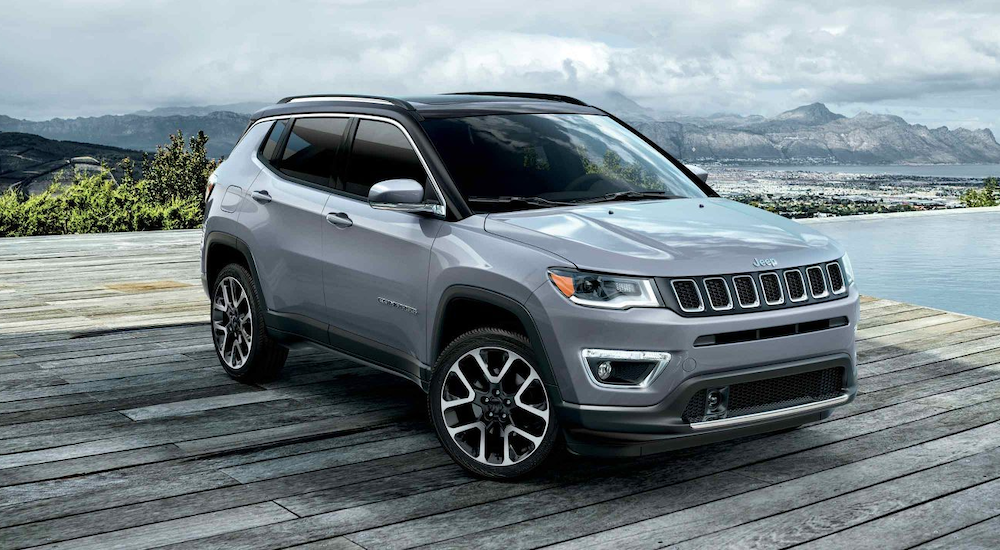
(716, 403)
(604, 370)
(622, 368)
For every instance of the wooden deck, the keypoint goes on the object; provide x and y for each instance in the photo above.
(119, 430)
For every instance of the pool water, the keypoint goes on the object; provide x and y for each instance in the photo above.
(948, 261)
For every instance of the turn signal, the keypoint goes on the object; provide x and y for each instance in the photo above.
(563, 283)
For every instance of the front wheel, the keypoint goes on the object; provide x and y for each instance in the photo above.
(242, 344)
(490, 407)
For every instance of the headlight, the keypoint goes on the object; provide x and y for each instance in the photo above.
(606, 291)
(848, 269)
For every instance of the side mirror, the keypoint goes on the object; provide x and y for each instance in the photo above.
(698, 171)
(402, 195)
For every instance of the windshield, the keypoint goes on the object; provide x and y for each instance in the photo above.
(560, 158)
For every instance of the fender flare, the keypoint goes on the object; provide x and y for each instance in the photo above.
(499, 300)
(231, 241)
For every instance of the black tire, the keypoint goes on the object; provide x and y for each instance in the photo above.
(532, 456)
(265, 357)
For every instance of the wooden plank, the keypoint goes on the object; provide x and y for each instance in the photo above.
(984, 535)
(921, 523)
(173, 531)
(653, 520)
(820, 519)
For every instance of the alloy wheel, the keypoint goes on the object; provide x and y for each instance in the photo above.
(495, 406)
(232, 322)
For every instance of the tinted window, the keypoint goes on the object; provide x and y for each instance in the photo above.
(273, 137)
(381, 152)
(311, 151)
(559, 157)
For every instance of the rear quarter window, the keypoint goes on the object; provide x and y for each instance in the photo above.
(273, 137)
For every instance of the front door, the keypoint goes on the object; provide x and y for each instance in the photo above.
(375, 276)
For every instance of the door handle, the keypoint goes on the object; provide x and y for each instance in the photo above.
(262, 197)
(340, 219)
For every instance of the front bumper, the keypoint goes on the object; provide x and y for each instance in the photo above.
(605, 420)
(633, 431)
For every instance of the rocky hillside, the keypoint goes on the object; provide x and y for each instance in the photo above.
(30, 162)
(137, 131)
(814, 134)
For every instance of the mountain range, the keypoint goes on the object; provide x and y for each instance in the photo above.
(137, 131)
(810, 134)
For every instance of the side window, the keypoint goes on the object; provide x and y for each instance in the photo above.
(273, 137)
(380, 152)
(311, 151)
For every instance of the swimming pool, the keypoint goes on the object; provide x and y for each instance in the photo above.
(947, 259)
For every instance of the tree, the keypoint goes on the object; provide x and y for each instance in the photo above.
(176, 171)
(988, 196)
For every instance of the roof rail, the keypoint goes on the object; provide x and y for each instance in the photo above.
(349, 97)
(529, 95)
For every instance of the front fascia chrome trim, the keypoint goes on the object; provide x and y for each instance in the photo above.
(443, 204)
(699, 309)
(802, 278)
(781, 291)
(770, 415)
(736, 289)
(826, 291)
(843, 278)
(709, 293)
(662, 357)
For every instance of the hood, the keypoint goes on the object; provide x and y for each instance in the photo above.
(680, 237)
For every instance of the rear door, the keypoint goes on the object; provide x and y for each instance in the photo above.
(375, 275)
(285, 216)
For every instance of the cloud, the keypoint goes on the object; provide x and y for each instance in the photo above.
(69, 58)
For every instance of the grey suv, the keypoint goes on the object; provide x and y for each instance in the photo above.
(544, 272)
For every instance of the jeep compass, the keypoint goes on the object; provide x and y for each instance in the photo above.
(546, 274)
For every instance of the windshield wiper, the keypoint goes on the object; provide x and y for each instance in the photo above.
(536, 201)
(630, 195)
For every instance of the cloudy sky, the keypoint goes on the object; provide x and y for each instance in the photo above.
(933, 62)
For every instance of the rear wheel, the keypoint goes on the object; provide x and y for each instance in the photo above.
(490, 407)
(241, 341)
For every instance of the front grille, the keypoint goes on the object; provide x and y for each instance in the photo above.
(817, 284)
(771, 286)
(772, 394)
(718, 294)
(836, 277)
(796, 287)
(687, 295)
(703, 295)
(746, 292)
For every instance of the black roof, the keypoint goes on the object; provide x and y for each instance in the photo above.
(432, 106)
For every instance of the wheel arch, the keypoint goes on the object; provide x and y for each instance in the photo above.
(458, 303)
(222, 249)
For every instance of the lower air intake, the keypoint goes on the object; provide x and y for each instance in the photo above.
(773, 394)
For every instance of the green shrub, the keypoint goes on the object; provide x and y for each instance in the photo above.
(989, 195)
(169, 196)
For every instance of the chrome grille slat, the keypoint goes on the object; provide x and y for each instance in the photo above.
(688, 296)
(836, 278)
(817, 282)
(718, 293)
(746, 291)
(770, 285)
(796, 285)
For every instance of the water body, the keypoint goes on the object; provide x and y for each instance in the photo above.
(947, 261)
(933, 170)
